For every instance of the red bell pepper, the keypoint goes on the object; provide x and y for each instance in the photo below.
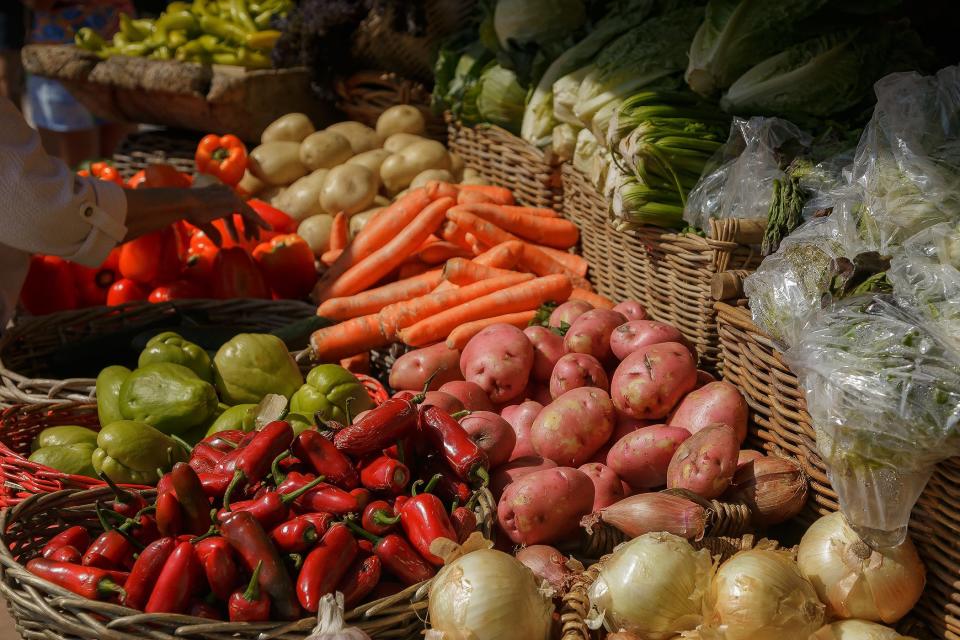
(295, 536)
(68, 553)
(224, 157)
(102, 171)
(137, 179)
(219, 566)
(320, 453)
(146, 570)
(88, 582)
(169, 514)
(287, 264)
(193, 501)
(113, 549)
(236, 275)
(249, 605)
(460, 452)
(177, 583)
(397, 556)
(76, 536)
(50, 286)
(160, 174)
(424, 519)
(322, 521)
(152, 258)
(253, 461)
(280, 221)
(126, 290)
(215, 484)
(378, 518)
(325, 566)
(177, 290)
(93, 284)
(251, 543)
(361, 578)
(270, 509)
(385, 474)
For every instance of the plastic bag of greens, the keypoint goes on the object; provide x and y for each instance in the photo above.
(739, 180)
(883, 390)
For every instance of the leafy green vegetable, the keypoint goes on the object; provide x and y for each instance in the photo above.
(538, 22)
(500, 98)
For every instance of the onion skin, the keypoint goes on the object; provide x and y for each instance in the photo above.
(855, 630)
(623, 635)
(651, 513)
(747, 455)
(774, 488)
(547, 563)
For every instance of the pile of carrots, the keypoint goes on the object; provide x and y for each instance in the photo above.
(467, 256)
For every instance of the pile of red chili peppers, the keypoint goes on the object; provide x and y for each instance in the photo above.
(260, 526)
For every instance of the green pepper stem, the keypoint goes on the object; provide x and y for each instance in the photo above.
(420, 397)
(460, 414)
(482, 475)
(278, 476)
(297, 559)
(346, 411)
(108, 586)
(238, 475)
(401, 454)
(212, 531)
(360, 531)
(252, 594)
(380, 518)
(180, 441)
(433, 483)
(122, 495)
(287, 498)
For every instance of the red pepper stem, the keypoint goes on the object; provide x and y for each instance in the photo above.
(360, 531)
(482, 475)
(252, 594)
(278, 475)
(122, 495)
(109, 586)
(430, 485)
(296, 559)
(420, 397)
(238, 475)
(287, 498)
(183, 443)
(382, 519)
(460, 414)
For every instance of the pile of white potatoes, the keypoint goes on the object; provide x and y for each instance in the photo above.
(312, 175)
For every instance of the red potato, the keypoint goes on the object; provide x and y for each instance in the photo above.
(540, 393)
(650, 382)
(545, 506)
(520, 417)
(633, 335)
(642, 457)
(499, 359)
(704, 378)
(574, 426)
(547, 564)
(626, 425)
(714, 403)
(509, 473)
(469, 393)
(443, 400)
(576, 370)
(748, 455)
(705, 462)
(492, 433)
(411, 370)
(547, 350)
(568, 312)
(590, 333)
(607, 486)
(632, 310)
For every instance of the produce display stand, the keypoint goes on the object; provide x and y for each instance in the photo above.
(669, 273)
(365, 95)
(779, 421)
(208, 98)
(167, 146)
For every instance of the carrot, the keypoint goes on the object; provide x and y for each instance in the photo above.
(572, 262)
(472, 197)
(598, 301)
(329, 257)
(476, 246)
(446, 285)
(553, 232)
(530, 211)
(404, 314)
(357, 363)
(338, 231)
(347, 338)
(460, 336)
(437, 189)
(500, 195)
(461, 271)
(412, 268)
(386, 224)
(373, 300)
(501, 256)
(441, 251)
(455, 235)
(520, 297)
(392, 254)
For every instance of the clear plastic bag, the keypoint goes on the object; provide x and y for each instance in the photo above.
(738, 182)
(883, 391)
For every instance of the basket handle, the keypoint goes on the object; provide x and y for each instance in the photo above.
(727, 285)
(739, 230)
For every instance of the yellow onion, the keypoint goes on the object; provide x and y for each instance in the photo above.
(652, 586)
(760, 595)
(857, 630)
(856, 581)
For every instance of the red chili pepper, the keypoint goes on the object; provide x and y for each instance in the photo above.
(424, 519)
(361, 578)
(225, 441)
(366, 547)
(177, 290)
(448, 487)
(137, 179)
(236, 275)
(294, 536)
(204, 458)
(111, 550)
(124, 291)
(76, 536)
(362, 496)
(385, 474)
(49, 287)
(146, 570)
(93, 284)
(313, 448)
(386, 589)
(251, 542)
(271, 508)
(169, 514)
(464, 523)
(462, 454)
(280, 221)
(324, 497)
(219, 566)
(152, 258)
(103, 171)
(193, 501)
(325, 566)
(160, 174)
(67, 553)
(201, 609)
(215, 484)
(177, 583)
(397, 556)
(287, 264)
(249, 605)
(144, 529)
(322, 521)
(378, 517)
(126, 503)
(224, 157)
(201, 254)
(253, 461)
(380, 428)
(88, 582)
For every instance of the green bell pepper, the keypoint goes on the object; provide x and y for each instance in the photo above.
(75, 459)
(299, 423)
(251, 365)
(108, 393)
(239, 417)
(133, 453)
(167, 396)
(62, 436)
(327, 393)
(222, 29)
(171, 347)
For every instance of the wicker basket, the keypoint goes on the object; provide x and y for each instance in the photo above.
(43, 610)
(144, 148)
(669, 273)
(367, 94)
(28, 350)
(508, 161)
(779, 419)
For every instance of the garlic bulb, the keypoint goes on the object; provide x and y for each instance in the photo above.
(855, 581)
(760, 595)
(857, 630)
(330, 621)
(652, 586)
